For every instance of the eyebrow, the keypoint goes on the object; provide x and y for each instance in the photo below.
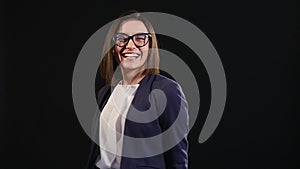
(132, 34)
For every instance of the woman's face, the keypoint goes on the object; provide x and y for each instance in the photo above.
(131, 56)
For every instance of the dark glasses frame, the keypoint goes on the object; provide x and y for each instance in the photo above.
(115, 39)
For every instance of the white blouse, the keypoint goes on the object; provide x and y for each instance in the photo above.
(112, 121)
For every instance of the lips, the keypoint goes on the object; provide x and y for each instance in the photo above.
(132, 55)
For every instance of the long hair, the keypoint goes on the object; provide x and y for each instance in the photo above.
(109, 62)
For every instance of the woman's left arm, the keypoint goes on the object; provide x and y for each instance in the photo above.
(175, 119)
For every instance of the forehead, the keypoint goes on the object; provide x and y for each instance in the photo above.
(131, 27)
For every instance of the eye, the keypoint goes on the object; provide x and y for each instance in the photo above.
(121, 38)
(140, 37)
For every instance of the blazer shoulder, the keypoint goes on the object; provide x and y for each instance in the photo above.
(163, 82)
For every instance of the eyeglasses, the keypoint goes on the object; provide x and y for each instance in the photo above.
(139, 39)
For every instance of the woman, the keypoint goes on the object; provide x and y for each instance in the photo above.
(140, 104)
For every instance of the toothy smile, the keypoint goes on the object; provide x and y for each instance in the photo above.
(135, 55)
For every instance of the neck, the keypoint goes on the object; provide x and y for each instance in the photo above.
(132, 77)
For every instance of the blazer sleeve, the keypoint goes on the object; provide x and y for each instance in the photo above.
(176, 157)
(94, 154)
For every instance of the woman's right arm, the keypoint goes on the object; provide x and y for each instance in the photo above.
(94, 156)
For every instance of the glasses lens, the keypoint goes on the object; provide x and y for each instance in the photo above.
(120, 39)
(139, 40)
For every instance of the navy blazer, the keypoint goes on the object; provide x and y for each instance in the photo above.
(174, 158)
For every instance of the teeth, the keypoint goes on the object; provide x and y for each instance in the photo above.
(131, 55)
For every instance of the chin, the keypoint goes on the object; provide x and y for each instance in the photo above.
(129, 67)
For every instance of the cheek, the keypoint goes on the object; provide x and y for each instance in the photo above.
(145, 52)
(117, 50)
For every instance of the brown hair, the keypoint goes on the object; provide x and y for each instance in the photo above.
(109, 62)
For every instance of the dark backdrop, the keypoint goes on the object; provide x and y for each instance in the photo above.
(40, 42)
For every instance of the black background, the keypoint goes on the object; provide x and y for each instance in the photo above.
(40, 42)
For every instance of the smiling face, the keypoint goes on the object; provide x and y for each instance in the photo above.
(131, 57)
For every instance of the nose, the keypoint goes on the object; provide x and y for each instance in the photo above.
(130, 44)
